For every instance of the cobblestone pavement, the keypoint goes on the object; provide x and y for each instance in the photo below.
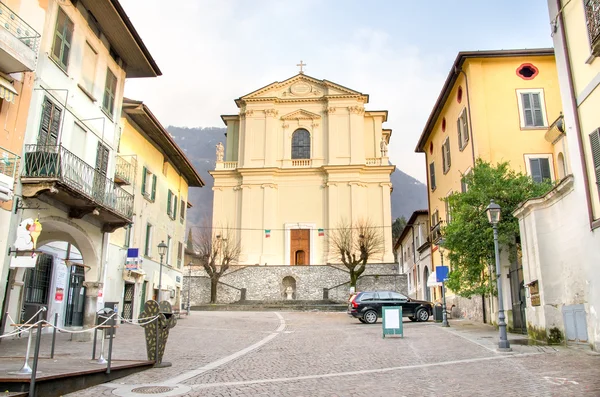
(239, 354)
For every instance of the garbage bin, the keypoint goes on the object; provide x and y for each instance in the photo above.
(437, 313)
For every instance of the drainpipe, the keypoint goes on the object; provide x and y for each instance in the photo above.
(575, 111)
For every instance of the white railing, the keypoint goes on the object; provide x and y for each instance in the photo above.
(373, 160)
(226, 165)
(301, 163)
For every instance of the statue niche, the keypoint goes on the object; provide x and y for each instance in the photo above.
(289, 288)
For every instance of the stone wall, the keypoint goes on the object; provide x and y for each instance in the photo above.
(269, 283)
(469, 308)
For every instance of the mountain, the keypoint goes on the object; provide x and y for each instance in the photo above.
(199, 146)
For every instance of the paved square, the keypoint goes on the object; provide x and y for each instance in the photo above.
(329, 354)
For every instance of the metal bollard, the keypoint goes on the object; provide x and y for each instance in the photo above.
(36, 355)
(110, 342)
(54, 335)
(94, 344)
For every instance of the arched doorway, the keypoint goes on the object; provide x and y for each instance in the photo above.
(426, 290)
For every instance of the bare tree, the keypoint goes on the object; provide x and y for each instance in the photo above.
(217, 249)
(353, 243)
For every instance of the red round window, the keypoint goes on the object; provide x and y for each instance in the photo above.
(430, 147)
(444, 124)
(459, 94)
(527, 71)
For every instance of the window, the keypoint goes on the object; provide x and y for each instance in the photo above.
(179, 254)
(367, 296)
(148, 246)
(171, 205)
(432, 176)
(446, 155)
(182, 211)
(462, 127)
(435, 218)
(592, 9)
(398, 297)
(102, 156)
(110, 89)
(531, 108)
(88, 72)
(595, 147)
(301, 144)
(539, 167)
(63, 35)
(384, 295)
(148, 184)
(50, 124)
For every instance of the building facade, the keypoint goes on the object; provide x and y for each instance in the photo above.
(413, 249)
(67, 184)
(152, 168)
(559, 231)
(497, 106)
(301, 157)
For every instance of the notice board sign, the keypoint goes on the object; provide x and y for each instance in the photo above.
(392, 321)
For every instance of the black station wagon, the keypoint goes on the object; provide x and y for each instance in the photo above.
(367, 306)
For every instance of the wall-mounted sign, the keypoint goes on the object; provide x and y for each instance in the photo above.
(23, 261)
(535, 300)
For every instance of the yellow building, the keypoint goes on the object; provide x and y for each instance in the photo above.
(155, 170)
(497, 106)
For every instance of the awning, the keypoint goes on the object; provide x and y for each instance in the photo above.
(431, 280)
(7, 91)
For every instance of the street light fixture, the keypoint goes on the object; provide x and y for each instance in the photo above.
(162, 250)
(493, 213)
(440, 244)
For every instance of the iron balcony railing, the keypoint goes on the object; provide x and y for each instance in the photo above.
(125, 169)
(8, 163)
(10, 21)
(592, 14)
(56, 162)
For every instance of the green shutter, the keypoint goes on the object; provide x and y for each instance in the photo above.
(169, 196)
(432, 175)
(538, 116)
(527, 110)
(153, 195)
(175, 207)
(144, 181)
(595, 146)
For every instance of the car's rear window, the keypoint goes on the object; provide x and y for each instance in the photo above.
(384, 295)
(367, 296)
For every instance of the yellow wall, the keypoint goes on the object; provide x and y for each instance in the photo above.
(586, 78)
(149, 156)
(497, 134)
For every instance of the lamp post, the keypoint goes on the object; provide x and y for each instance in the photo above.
(189, 287)
(493, 214)
(444, 314)
(162, 250)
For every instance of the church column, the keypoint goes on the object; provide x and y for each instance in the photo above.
(250, 241)
(357, 136)
(386, 205)
(332, 205)
(268, 256)
(270, 134)
(243, 154)
(316, 143)
(330, 136)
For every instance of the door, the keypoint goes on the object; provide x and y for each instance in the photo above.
(144, 286)
(517, 292)
(408, 308)
(128, 295)
(574, 318)
(300, 247)
(37, 286)
(75, 297)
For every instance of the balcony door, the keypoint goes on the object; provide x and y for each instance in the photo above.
(100, 180)
(50, 124)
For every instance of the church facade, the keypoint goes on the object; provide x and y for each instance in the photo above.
(302, 157)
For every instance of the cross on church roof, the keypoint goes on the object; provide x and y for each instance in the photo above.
(301, 66)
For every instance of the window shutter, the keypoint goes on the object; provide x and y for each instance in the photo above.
(169, 197)
(538, 116)
(432, 175)
(102, 159)
(536, 171)
(465, 127)
(527, 110)
(144, 180)
(153, 194)
(182, 210)
(50, 124)
(545, 169)
(458, 128)
(448, 154)
(463, 185)
(175, 207)
(595, 145)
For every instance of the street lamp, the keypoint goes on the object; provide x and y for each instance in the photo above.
(162, 250)
(493, 214)
(189, 287)
(444, 313)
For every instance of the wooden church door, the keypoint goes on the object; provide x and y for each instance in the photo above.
(300, 247)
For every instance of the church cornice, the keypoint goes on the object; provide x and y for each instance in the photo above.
(301, 114)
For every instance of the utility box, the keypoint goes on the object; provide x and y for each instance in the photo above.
(438, 313)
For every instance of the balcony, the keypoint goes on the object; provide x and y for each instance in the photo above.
(126, 170)
(436, 232)
(592, 15)
(19, 43)
(8, 170)
(226, 165)
(54, 171)
(301, 163)
(373, 161)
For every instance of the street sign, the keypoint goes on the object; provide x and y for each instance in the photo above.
(441, 274)
(391, 321)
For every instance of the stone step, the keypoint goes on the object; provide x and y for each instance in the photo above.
(272, 306)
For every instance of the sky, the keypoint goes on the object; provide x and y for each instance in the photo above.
(397, 51)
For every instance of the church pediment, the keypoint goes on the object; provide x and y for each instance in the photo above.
(300, 87)
(300, 115)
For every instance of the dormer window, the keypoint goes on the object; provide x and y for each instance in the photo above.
(301, 144)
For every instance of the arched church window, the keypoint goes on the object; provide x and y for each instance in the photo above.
(301, 144)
